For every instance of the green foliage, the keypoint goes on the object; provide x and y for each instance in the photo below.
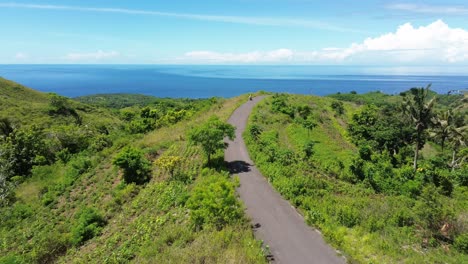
(373, 194)
(419, 112)
(60, 105)
(308, 149)
(303, 111)
(168, 163)
(213, 203)
(347, 216)
(308, 124)
(23, 149)
(6, 127)
(117, 101)
(141, 126)
(279, 104)
(73, 138)
(430, 211)
(89, 224)
(145, 223)
(210, 135)
(255, 131)
(338, 107)
(461, 243)
(6, 194)
(136, 168)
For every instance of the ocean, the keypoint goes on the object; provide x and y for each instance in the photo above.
(193, 81)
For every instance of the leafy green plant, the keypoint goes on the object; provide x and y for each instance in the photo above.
(338, 107)
(461, 243)
(210, 135)
(136, 168)
(213, 203)
(89, 224)
(169, 163)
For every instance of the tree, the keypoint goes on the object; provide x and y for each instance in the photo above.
(6, 127)
(308, 149)
(23, 149)
(308, 124)
(362, 125)
(59, 105)
(338, 107)
(136, 168)
(443, 126)
(458, 138)
(303, 110)
(210, 135)
(419, 111)
(169, 163)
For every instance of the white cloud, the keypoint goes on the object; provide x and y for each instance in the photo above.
(436, 42)
(92, 56)
(261, 21)
(430, 9)
(21, 56)
(250, 57)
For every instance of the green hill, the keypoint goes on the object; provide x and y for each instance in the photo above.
(114, 178)
(346, 164)
(64, 201)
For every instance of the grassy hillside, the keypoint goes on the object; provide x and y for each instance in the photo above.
(362, 193)
(73, 206)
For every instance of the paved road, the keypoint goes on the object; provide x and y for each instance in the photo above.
(275, 221)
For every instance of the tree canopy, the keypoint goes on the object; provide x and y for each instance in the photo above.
(210, 135)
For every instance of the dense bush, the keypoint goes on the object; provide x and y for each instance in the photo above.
(213, 203)
(89, 224)
(136, 168)
(338, 107)
(23, 149)
(461, 243)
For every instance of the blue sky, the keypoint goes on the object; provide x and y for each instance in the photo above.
(398, 33)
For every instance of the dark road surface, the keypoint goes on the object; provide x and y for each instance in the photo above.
(275, 221)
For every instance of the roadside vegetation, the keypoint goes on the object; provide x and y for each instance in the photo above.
(116, 182)
(383, 177)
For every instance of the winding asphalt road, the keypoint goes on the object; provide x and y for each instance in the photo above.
(274, 220)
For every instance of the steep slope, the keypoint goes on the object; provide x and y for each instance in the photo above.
(74, 207)
(366, 201)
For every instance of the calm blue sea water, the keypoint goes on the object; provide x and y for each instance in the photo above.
(227, 81)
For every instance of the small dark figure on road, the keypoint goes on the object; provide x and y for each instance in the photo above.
(250, 97)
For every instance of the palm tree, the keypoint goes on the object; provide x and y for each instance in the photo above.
(458, 138)
(419, 111)
(443, 126)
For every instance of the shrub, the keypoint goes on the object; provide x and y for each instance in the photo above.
(461, 176)
(461, 243)
(313, 217)
(430, 210)
(136, 168)
(403, 217)
(338, 107)
(213, 203)
(23, 149)
(308, 149)
(169, 163)
(89, 224)
(49, 246)
(348, 216)
(255, 131)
